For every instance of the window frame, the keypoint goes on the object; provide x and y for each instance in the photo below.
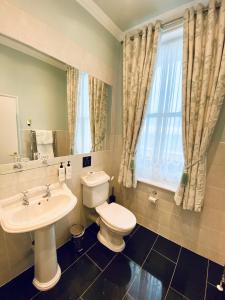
(156, 115)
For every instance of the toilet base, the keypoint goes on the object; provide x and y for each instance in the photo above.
(118, 247)
(111, 238)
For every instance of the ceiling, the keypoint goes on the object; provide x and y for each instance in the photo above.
(129, 13)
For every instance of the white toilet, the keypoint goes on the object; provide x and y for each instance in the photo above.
(115, 221)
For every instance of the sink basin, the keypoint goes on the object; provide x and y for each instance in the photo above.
(39, 216)
(17, 218)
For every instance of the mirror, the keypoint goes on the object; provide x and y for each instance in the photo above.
(45, 114)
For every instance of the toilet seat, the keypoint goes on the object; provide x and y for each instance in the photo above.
(117, 216)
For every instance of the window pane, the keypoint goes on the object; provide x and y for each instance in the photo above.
(83, 130)
(159, 158)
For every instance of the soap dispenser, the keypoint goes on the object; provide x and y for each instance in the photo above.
(61, 173)
(68, 170)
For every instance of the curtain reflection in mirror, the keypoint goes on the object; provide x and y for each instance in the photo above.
(98, 111)
(72, 91)
(87, 112)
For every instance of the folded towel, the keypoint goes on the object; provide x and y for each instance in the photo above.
(44, 137)
(45, 151)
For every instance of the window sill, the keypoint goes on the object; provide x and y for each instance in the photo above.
(160, 185)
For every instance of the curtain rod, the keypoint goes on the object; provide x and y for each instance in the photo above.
(178, 19)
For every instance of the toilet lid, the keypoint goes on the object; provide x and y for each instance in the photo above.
(117, 216)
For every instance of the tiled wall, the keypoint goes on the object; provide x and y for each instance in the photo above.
(203, 233)
(16, 253)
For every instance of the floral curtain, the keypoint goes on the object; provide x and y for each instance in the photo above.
(203, 95)
(139, 54)
(72, 91)
(98, 112)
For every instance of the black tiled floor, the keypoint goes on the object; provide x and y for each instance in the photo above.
(127, 237)
(213, 294)
(174, 295)
(94, 228)
(214, 273)
(101, 255)
(20, 288)
(114, 281)
(153, 280)
(67, 253)
(167, 248)
(122, 276)
(140, 244)
(128, 297)
(190, 275)
(73, 283)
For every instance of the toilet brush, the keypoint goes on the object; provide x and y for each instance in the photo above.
(112, 197)
(222, 281)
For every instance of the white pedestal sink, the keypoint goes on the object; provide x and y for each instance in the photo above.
(39, 216)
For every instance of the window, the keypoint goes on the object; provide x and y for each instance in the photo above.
(159, 157)
(83, 129)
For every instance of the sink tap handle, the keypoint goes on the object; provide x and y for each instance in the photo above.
(25, 198)
(48, 192)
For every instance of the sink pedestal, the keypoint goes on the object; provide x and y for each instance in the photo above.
(46, 269)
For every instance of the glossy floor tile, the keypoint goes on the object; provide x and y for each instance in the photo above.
(139, 245)
(190, 275)
(114, 281)
(174, 295)
(127, 237)
(213, 294)
(215, 273)
(73, 283)
(67, 253)
(150, 268)
(153, 280)
(167, 248)
(128, 297)
(20, 288)
(101, 255)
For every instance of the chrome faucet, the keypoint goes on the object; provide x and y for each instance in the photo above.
(17, 166)
(48, 192)
(25, 198)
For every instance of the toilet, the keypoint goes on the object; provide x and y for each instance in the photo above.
(115, 221)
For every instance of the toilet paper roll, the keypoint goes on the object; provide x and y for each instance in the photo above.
(152, 199)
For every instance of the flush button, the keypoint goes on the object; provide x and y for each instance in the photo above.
(86, 161)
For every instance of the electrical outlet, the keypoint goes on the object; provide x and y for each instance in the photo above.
(86, 161)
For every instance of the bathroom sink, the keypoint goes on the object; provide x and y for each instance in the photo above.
(17, 218)
(39, 216)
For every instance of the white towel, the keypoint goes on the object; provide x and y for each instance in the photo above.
(45, 151)
(44, 137)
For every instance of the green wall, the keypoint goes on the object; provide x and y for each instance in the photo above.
(72, 20)
(40, 87)
(69, 18)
